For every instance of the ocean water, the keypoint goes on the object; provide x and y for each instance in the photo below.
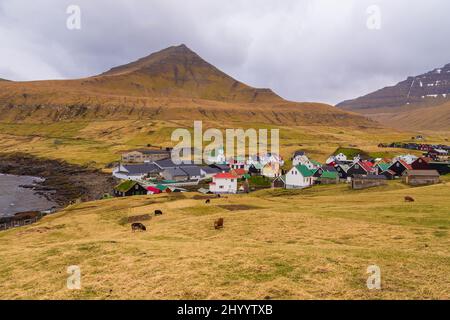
(15, 199)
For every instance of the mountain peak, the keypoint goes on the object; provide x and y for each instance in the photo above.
(418, 103)
(182, 46)
(180, 72)
(431, 88)
(179, 49)
(166, 56)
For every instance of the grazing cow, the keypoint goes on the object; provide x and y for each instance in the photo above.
(158, 213)
(138, 226)
(208, 201)
(218, 196)
(218, 224)
(409, 199)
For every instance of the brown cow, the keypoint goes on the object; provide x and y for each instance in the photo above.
(218, 224)
(138, 226)
(409, 199)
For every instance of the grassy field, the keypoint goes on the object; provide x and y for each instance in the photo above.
(101, 142)
(276, 244)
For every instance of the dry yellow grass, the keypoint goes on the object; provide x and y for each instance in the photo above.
(101, 142)
(413, 117)
(309, 244)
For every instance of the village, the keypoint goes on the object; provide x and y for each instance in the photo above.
(151, 171)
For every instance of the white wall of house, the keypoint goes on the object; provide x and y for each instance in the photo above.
(270, 158)
(300, 160)
(223, 185)
(120, 173)
(338, 157)
(408, 158)
(294, 179)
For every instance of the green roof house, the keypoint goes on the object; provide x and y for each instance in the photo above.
(129, 188)
(329, 177)
(382, 167)
(300, 177)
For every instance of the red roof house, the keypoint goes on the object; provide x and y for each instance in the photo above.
(153, 190)
(238, 172)
(223, 183)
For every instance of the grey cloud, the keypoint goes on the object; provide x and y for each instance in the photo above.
(305, 50)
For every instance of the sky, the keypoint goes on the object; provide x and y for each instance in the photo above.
(305, 50)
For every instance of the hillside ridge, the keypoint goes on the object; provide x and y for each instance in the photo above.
(417, 103)
(174, 83)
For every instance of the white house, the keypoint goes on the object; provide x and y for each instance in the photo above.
(135, 171)
(305, 161)
(300, 159)
(337, 158)
(408, 158)
(271, 158)
(300, 177)
(223, 183)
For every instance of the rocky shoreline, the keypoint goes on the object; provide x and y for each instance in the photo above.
(64, 183)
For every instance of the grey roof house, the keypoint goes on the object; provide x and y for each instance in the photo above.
(135, 171)
(175, 174)
(168, 163)
(194, 173)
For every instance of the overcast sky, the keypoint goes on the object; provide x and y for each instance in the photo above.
(305, 50)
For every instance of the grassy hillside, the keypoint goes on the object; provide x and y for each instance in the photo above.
(172, 84)
(101, 142)
(417, 103)
(275, 245)
(420, 117)
(175, 72)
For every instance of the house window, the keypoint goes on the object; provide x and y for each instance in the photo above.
(220, 187)
(357, 166)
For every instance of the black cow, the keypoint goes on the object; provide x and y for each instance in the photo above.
(138, 226)
(208, 201)
(158, 213)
